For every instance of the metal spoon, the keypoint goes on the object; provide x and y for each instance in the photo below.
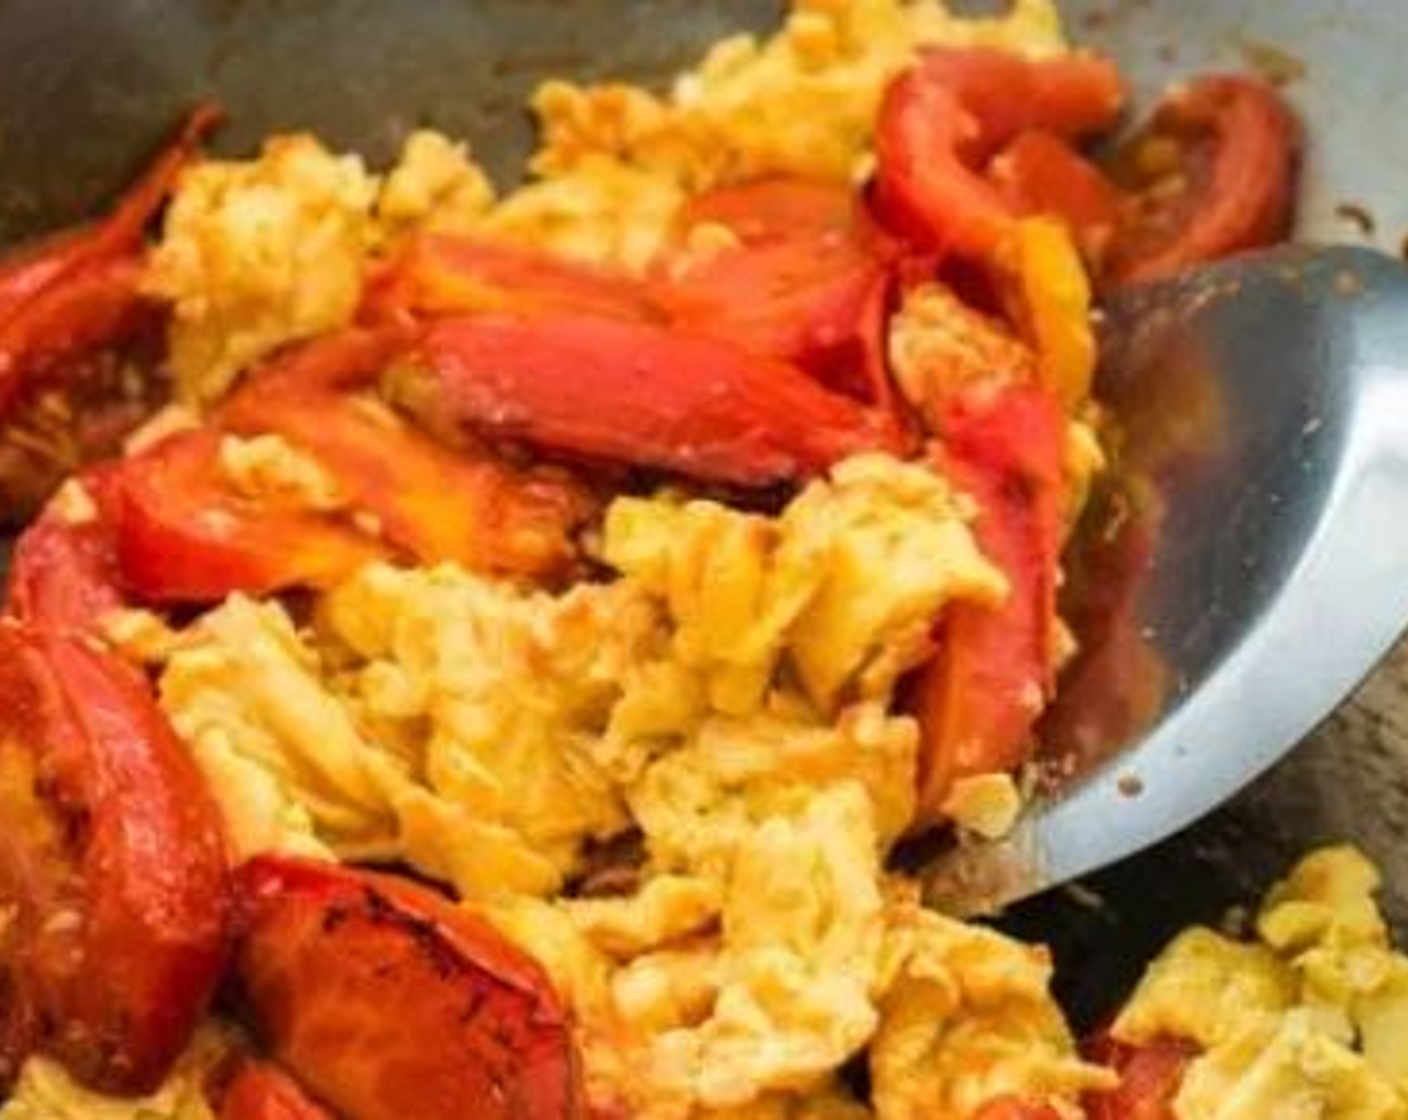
(1263, 406)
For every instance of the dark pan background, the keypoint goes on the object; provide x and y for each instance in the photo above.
(88, 86)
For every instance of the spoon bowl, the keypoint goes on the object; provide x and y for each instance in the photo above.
(1247, 567)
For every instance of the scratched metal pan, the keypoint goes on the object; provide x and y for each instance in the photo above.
(86, 87)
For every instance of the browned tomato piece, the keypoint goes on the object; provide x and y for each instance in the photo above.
(991, 676)
(112, 868)
(391, 1003)
(1212, 173)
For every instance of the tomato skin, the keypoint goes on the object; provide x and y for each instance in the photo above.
(438, 504)
(1150, 1076)
(979, 697)
(924, 190)
(437, 274)
(1070, 96)
(261, 1091)
(392, 1003)
(642, 395)
(801, 285)
(1212, 173)
(183, 535)
(112, 856)
(63, 577)
(942, 118)
(1039, 173)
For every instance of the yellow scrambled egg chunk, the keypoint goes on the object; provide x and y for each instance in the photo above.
(435, 186)
(967, 1018)
(1308, 1020)
(258, 253)
(726, 696)
(617, 161)
(749, 595)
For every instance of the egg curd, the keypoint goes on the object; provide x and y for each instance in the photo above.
(1306, 1018)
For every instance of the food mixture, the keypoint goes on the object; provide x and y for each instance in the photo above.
(487, 646)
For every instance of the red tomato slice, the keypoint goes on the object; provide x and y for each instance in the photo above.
(437, 274)
(261, 1091)
(1149, 1079)
(62, 577)
(941, 119)
(1069, 96)
(392, 1003)
(642, 395)
(925, 191)
(979, 697)
(182, 534)
(1039, 173)
(808, 283)
(438, 504)
(112, 866)
(1213, 173)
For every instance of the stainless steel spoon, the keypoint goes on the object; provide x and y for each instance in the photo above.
(1262, 407)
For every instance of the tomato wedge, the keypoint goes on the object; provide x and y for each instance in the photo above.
(1212, 173)
(437, 274)
(261, 1091)
(391, 1003)
(812, 292)
(978, 699)
(183, 534)
(63, 576)
(940, 121)
(1040, 173)
(642, 395)
(437, 504)
(1150, 1077)
(112, 868)
(1071, 95)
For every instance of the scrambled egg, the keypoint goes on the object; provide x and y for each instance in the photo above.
(1310, 1019)
(258, 253)
(726, 695)
(261, 252)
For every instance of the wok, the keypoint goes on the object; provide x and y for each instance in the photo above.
(85, 89)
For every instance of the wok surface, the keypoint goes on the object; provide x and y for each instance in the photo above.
(86, 88)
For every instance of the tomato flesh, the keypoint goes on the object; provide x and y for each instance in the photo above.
(391, 1003)
(979, 697)
(1213, 173)
(112, 864)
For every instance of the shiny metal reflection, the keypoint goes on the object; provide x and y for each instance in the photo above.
(1263, 480)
